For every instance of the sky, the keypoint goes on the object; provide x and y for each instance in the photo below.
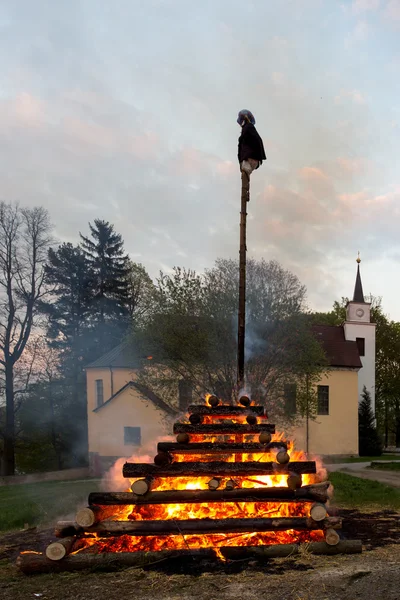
(126, 111)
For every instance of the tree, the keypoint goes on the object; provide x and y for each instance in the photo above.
(192, 334)
(24, 241)
(69, 311)
(141, 294)
(70, 328)
(369, 443)
(104, 252)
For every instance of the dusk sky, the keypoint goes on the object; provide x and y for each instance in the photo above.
(126, 111)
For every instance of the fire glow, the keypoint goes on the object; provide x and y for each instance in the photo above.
(211, 510)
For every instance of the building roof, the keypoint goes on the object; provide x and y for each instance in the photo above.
(339, 351)
(121, 357)
(144, 391)
(358, 295)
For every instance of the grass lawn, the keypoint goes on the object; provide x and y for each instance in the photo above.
(387, 466)
(41, 503)
(354, 492)
(356, 459)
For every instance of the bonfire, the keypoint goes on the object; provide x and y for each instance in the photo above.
(229, 486)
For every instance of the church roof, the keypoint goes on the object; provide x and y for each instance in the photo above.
(339, 351)
(119, 357)
(358, 295)
(144, 391)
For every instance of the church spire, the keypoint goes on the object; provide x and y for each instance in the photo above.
(358, 295)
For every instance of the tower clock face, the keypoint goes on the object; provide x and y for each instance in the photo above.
(359, 312)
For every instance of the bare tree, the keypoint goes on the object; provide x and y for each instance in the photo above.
(24, 242)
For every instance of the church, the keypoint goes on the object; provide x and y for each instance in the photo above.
(350, 353)
(124, 418)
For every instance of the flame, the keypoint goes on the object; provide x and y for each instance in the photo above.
(212, 510)
(127, 543)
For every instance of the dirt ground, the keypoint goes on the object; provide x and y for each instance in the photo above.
(372, 575)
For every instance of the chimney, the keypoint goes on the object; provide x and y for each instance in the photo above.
(185, 394)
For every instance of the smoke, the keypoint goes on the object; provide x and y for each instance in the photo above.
(113, 480)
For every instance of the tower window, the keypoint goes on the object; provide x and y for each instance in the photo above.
(99, 392)
(323, 400)
(361, 346)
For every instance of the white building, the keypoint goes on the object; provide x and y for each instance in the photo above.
(358, 328)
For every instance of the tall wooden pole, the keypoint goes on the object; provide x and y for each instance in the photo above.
(242, 280)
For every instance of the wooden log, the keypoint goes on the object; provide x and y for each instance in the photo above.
(244, 400)
(294, 481)
(318, 512)
(264, 437)
(85, 517)
(219, 447)
(224, 410)
(182, 438)
(213, 401)
(66, 529)
(331, 537)
(218, 468)
(311, 493)
(230, 484)
(251, 419)
(162, 459)
(195, 419)
(203, 526)
(282, 457)
(34, 564)
(140, 487)
(343, 547)
(214, 483)
(224, 428)
(58, 550)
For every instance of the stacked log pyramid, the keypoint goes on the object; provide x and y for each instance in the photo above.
(209, 420)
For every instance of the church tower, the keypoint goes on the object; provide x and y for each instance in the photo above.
(358, 327)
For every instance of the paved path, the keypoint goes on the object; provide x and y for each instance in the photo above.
(360, 470)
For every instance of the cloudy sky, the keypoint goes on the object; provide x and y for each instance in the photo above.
(126, 111)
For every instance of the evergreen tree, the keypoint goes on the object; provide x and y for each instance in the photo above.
(369, 443)
(105, 255)
(72, 280)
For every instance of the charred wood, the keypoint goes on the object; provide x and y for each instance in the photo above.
(218, 468)
(224, 411)
(32, 564)
(203, 526)
(311, 493)
(219, 447)
(223, 428)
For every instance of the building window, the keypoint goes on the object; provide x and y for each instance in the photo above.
(361, 346)
(289, 394)
(99, 392)
(132, 435)
(323, 400)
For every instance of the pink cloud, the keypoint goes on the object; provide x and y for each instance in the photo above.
(392, 10)
(312, 173)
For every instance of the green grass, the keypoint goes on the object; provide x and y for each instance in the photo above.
(41, 503)
(386, 466)
(356, 459)
(354, 492)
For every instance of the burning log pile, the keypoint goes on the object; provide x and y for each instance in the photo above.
(228, 487)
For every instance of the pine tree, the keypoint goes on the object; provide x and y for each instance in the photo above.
(105, 255)
(369, 443)
(71, 279)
